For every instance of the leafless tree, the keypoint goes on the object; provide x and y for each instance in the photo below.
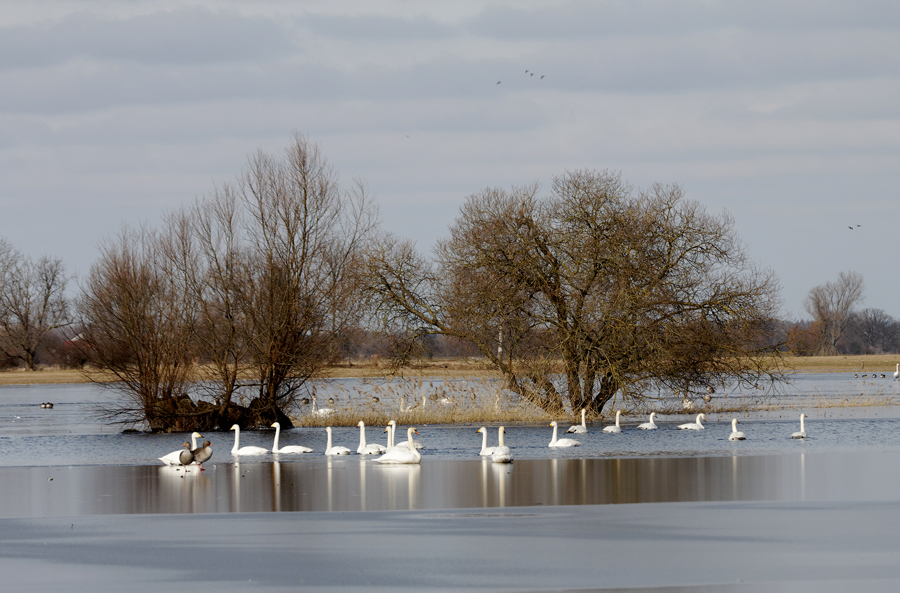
(138, 321)
(33, 302)
(831, 304)
(878, 332)
(613, 292)
(305, 238)
(243, 296)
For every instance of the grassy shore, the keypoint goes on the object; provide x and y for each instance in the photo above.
(474, 368)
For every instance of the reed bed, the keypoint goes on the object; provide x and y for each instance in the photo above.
(419, 401)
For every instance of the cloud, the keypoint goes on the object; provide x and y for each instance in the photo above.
(178, 37)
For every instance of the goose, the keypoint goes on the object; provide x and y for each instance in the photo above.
(802, 433)
(334, 450)
(364, 449)
(735, 435)
(897, 372)
(289, 448)
(185, 457)
(403, 455)
(616, 428)
(649, 425)
(404, 444)
(554, 442)
(202, 453)
(502, 453)
(485, 450)
(173, 457)
(579, 428)
(238, 450)
(693, 425)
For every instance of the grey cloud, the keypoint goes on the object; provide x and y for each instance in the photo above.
(377, 28)
(182, 37)
(635, 18)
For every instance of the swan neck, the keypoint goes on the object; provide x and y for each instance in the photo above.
(277, 434)
(237, 438)
(553, 440)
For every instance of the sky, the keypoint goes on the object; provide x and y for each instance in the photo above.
(784, 114)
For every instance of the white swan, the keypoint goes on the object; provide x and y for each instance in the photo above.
(320, 411)
(693, 425)
(616, 428)
(802, 433)
(404, 444)
(554, 442)
(502, 453)
(238, 450)
(405, 455)
(365, 449)
(334, 449)
(289, 448)
(173, 458)
(485, 450)
(649, 425)
(735, 435)
(897, 372)
(579, 428)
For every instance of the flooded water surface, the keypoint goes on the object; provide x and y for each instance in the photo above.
(84, 507)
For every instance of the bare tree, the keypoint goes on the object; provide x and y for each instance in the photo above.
(243, 296)
(615, 293)
(878, 331)
(305, 238)
(32, 302)
(138, 322)
(831, 304)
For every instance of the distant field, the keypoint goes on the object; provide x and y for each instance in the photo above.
(881, 363)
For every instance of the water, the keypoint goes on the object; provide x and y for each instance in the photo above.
(86, 508)
(357, 484)
(71, 434)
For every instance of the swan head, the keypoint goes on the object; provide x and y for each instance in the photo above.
(554, 423)
(328, 429)
(481, 430)
(652, 415)
(361, 424)
(276, 425)
(196, 435)
(803, 416)
(393, 423)
(701, 416)
(234, 427)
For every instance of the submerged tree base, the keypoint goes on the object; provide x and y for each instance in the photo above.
(183, 414)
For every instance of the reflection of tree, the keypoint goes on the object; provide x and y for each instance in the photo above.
(615, 292)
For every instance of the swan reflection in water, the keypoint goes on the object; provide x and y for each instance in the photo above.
(396, 479)
(495, 478)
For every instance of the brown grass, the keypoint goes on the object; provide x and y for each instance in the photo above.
(474, 368)
(455, 402)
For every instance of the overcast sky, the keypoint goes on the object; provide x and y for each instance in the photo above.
(785, 114)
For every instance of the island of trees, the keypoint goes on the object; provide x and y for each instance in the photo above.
(584, 292)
